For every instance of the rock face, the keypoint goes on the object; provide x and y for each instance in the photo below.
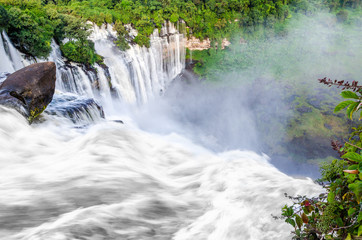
(195, 44)
(30, 89)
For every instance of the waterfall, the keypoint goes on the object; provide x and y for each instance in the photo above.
(132, 76)
(140, 73)
(11, 59)
(5, 62)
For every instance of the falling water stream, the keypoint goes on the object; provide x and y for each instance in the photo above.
(76, 175)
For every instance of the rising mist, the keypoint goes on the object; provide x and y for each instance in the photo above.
(256, 104)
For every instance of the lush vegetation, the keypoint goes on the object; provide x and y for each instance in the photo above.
(248, 47)
(337, 213)
(31, 24)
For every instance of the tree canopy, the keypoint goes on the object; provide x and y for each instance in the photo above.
(31, 24)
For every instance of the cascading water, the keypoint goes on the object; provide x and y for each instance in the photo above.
(116, 182)
(108, 180)
(11, 59)
(140, 73)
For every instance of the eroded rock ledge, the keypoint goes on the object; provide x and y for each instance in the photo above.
(195, 44)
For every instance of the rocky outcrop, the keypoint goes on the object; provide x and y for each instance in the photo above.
(30, 89)
(195, 44)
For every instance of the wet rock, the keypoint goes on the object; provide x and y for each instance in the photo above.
(316, 103)
(304, 109)
(118, 121)
(329, 112)
(79, 110)
(30, 89)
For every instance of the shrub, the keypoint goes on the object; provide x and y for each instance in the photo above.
(337, 213)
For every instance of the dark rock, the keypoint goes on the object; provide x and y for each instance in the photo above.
(30, 89)
(341, 115)
(78, 109)
(315, 103)
(328, 112)
(310, 147)
(304, 109)
(328, 126)
(118, 121)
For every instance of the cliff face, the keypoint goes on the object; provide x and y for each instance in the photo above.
(195, 44)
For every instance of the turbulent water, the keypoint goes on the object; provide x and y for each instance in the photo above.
(76, 175)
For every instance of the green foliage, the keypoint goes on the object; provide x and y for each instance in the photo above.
(31, 24)
(78, 48)
(351, 105)
(123, 36)
(206, 19)
(29, 32)
(82, 52)
(337, 213)
(342, 16)
(4, 17)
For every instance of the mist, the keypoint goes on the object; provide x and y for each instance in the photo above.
(251, 106)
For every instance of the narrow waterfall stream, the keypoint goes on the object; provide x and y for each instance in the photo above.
(76, 175)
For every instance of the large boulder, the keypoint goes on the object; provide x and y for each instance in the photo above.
(30, 89)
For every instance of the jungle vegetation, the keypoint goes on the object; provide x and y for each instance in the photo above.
(32, 24)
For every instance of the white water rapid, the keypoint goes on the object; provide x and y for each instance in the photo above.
(75, 175)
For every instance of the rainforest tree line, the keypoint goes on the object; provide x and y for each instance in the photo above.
(32, 24)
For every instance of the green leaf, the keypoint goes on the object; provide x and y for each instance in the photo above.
(306, 210)
(343, 105)
(299, 221)
(359, 231)
(356, 188)
(340, 222)
(349, 94)
(353, 167)
(349, 237)
(351, 177)
(331, 196)
(351, 211)
(351, 109)
(353, 156)
(290, 221)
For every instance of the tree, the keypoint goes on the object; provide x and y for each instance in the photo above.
(78, 48)
(4, 17)
(30, 33)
